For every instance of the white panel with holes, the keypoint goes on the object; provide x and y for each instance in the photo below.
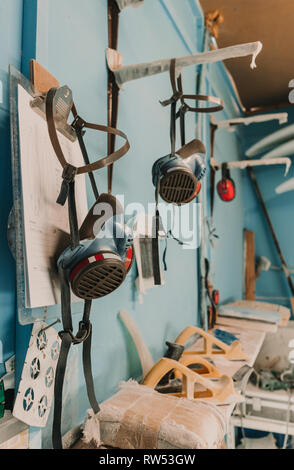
(35, 392)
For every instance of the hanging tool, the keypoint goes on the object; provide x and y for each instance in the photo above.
(213, 296)
(226, 187)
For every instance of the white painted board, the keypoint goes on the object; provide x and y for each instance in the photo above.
(44, 219)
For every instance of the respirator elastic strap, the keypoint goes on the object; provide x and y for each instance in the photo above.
(173, 102)
(58, 387)
(175, 98)
(84, 335)
(87, 366)
(72, 215)
(79, 125)
(182, 111)
(79, 122)
(155, 238)
(155, 249)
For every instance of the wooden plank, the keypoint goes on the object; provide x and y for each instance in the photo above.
(283, 311)
(247, 324)
(10, 427)
(41, 78)
(250, 277)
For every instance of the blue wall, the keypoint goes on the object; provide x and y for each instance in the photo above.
(71, 44)
(280, 206)
(228, 218)
(10, 53)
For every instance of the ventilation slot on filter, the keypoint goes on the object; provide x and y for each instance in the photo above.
(178, 187)
(99, 279)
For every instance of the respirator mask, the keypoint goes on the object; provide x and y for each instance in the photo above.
(100, 263)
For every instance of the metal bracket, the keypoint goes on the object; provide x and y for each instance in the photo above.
(129, 3)
(242, 164)
(230, 124)
(127, 73)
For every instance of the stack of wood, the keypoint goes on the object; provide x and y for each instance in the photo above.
(250, 314)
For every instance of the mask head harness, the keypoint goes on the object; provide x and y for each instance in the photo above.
(177, 176)
(226, 187)
(100, 252)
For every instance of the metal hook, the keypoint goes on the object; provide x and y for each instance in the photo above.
(49, 326)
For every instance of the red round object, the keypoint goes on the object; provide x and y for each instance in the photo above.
(196, 192)
(129, 258)
(215, 297)
(226, 190)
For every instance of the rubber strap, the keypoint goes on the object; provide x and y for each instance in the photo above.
(84, 336)
(155, 237)
(87, 366)
(58, 387)
(155, 249)
(182, 125)
(72, 215)
(210, 99)
(177, 88)
(213, 129)
(174, 100)
(103, 162)
(86, 160)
